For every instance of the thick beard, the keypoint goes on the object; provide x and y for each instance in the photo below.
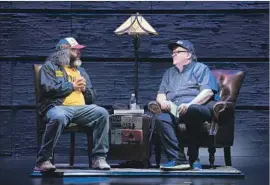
(76, 63)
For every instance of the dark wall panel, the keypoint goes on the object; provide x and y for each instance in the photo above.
(112, 5)
(214, 35)
(36, 34)
(200, 5)
(254, 91)
(6, 34)
(5, 83)
(5, 132)
(41, 5)
(5, 5)
(156, 5)
(114, 81)
(251, 135)
(23, 90)
(97, 32)
(24, 132)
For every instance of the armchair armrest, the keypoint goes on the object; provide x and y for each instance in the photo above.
(154, 107)
(224, 109)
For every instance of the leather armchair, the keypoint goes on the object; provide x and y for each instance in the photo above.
(222, 127)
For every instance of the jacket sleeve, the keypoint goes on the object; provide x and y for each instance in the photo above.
(90, 93)
(52, 86)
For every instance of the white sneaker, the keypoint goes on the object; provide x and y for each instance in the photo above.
(100, 164)
(45, 166)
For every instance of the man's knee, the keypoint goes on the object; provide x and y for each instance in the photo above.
(57, 117)
(164, 117)
(198, 112)
(193, 110)
(161, 118)
(102, 112)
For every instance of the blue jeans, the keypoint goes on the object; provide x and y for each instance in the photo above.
(59, 117)
(166, 127)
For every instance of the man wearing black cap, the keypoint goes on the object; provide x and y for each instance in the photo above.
(190, 86)
(67, 95)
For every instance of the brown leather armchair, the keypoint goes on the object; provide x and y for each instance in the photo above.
(72, 128)
(229, 82)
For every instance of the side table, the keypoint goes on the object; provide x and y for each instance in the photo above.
(129, 140)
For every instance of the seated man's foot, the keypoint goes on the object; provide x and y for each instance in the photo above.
(154, 107)
(100, 164)
(173, 165)
(45, 166)
(196, 165)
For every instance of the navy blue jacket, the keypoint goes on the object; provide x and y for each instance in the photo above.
(54, 86)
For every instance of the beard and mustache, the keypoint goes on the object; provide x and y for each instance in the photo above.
(64, 58)
(75, 61)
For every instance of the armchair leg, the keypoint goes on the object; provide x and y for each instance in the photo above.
(39, 140)
(72, 149)
(212, 151)
(157, 151)
(52, 160)
(227, 156)
(89, 147)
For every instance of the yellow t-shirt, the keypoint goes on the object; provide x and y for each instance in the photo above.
(76, 97)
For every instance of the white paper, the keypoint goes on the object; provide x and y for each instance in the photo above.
(174, 109)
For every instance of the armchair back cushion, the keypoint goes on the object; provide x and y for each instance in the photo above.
(229, 82)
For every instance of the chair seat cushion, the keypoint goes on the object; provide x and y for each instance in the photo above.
(73, 127)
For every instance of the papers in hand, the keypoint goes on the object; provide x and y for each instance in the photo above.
(174, 109)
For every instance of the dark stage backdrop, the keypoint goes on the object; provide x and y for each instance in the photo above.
(226, 35)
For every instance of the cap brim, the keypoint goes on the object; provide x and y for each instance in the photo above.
(78, 46)
(172, 46)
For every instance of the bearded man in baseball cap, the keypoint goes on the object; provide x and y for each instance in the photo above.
(67, 96)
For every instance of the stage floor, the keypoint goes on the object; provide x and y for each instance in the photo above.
(14, 170)
(64, 171)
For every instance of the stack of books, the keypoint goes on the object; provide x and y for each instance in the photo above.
(126, 126)
(129, 111)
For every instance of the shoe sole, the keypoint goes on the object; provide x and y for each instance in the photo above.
(197, 169)
(44, 171)
(176, 168)
(101, 168)
(154, 108)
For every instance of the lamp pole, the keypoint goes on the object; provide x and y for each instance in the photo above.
(136, 45)
(136, 25)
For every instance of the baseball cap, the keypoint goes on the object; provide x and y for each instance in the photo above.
(69, 42)
(184, 44)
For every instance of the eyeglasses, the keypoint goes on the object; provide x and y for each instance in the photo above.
(177, 52)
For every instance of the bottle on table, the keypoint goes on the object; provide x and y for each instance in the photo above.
(132, 102)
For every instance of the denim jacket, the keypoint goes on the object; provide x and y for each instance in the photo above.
(54, 85)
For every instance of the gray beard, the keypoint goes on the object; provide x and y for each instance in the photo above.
(76, 63)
